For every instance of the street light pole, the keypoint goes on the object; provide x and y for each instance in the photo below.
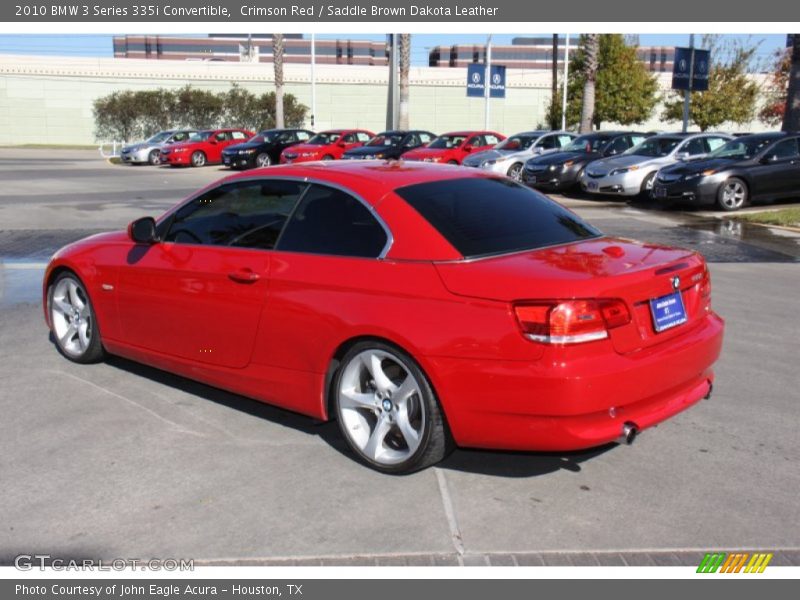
(566, 78)
(313, 81)
(487, 81)
(687, 93)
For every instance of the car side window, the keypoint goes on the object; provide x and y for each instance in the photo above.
(425, 138)
(330, 221)
(179, 137)
(363, 137)
(349, 138)
(784, 149)
(563, 140)
(490, 140)
(548, 142)
(247, 215)
(287, 137)
(475, 140)
(636, 139)
(695, 146)
(715, 142)
(221, 136)
(411, 141)
(239, 135)
(302, 136)
(618, 146)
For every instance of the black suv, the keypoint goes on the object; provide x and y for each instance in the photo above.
(263, 149)
(390, 144)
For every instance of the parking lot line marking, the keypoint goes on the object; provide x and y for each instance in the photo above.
(450, 513)
(173, 424)
(23, 265)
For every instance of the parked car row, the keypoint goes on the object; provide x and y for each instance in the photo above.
(702, 168)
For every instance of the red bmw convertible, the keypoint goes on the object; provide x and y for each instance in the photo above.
(419, 305)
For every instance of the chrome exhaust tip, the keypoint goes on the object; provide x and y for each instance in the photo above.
(629, 433)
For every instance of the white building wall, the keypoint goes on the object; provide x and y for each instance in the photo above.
(48, 100)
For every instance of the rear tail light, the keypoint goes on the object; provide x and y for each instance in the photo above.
(571, 321)
(705, 290)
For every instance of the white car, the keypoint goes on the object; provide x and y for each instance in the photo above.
(509, 156)
(632, 173)
(149, 151)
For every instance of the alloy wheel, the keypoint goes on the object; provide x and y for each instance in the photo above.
(263, 160)
(515, 172)
(733, 195)
(198, 159)
(71, 317)
(381, 407)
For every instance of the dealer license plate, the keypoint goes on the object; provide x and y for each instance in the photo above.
(668, 311)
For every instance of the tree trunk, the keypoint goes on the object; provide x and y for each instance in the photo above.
(554, 124)
(405, 64)
(277, 59)
(591, 48)
(791, 116)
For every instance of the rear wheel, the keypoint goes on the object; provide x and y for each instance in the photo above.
(327, 157)
(198, 159)
(452, 162)
(515, 172)
(732, 195)
(263, 160)
(154, 157)
(72, 320)
(387, 410)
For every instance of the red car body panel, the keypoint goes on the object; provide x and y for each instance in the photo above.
(173, 306)
(181, 153)
(447, 155)
(300, 153)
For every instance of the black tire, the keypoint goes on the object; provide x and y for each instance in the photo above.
(154, 158)
(435, 440)
(59, 322)
(515, 172)
(733, 194)
(647, 187)
(327, 157)
(198, 159)
(263, 160)
(452, 162)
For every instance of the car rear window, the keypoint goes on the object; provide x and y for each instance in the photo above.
(485, 216)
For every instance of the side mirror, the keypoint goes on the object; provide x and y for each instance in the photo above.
(143, 231)
(768, 159)
(341, 144)
(683, 156)
(468, 148)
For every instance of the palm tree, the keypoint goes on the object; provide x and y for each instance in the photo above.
(591, 48)
(405, 63)
(791, 116)
(277, 60)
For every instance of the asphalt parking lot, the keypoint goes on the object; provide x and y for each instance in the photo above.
(120, 460)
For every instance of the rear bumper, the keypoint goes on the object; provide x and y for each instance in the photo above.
(556, 406)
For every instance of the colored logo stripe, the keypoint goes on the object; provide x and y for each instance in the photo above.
(734, 562)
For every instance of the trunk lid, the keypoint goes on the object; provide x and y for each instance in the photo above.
(600, 268)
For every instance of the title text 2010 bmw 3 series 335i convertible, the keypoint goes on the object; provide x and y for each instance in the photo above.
(422, 306)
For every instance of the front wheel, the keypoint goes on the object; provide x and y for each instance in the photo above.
(72, 320)
(154, 158)
(263, 160)
(387, 410)
(647, 186)
(732, 195)
(327, 157)
(515, 172)
(452, 162)
(198, 159)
